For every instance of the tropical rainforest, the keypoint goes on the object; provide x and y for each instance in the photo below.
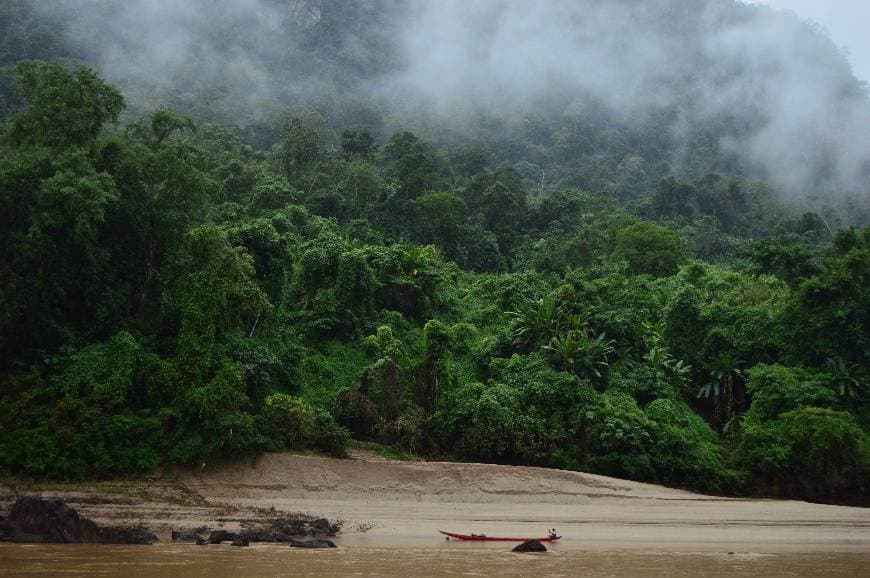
(189, 273)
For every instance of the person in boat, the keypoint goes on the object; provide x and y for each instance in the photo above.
(553, 534)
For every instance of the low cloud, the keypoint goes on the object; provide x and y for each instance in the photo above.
(778, 92)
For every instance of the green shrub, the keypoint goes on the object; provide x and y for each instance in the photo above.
(328, 436)
(808, 451)
(649, 249)
(103, 372)
(642, 382)
(776, 389)
(487, 422)
(331, 368)
(407, 432)
(355, 411)
(288, 420)
(224, 393)
(291, 423)
(687, 450)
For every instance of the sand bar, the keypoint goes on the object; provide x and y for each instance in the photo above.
(393, 504)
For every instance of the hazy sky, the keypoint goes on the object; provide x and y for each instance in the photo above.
(845, 20)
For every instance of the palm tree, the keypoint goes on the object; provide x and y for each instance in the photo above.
(723, 372)
(582, 352)
(848, 378)
(657, 353)
(414, 258)
(536, 321)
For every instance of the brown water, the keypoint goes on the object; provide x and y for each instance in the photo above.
(455, 560)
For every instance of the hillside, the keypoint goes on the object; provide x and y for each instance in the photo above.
(616, 95)
(263, 226)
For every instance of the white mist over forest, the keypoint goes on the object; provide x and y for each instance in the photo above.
(796, 114)
(844, 20)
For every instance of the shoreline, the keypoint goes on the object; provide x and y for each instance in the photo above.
(403, 505)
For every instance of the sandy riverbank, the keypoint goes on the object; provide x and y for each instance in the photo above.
(404, 504)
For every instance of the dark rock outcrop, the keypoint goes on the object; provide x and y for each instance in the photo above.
(276, 531)
(185, 536)
(53, 522)
(322, 527)
(284, 530)
(530, 546)
(6, 530)
(50, 521)
(313, 544)
(126, 536)
(219, 536)
(264, 536)
(241, 542)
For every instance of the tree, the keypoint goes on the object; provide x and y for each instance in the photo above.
(410, 161)
(649, 249)
(674, 199)
(787, 258)
(435, 367)
(165, 189)
(725, 199)
(216, 292)
(776, 389)
(357, 144)
(470, 160)
(808, 451)
(65, 108)
(724, 371)
(499, 200)
(829, 314)
(355, 282)
(537, 321)
(54, 200)
(439, 220)
(582, 352)
(301, 150)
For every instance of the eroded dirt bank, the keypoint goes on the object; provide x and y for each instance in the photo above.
(404, 504)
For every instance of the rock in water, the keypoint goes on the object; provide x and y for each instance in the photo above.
(53, 522)
(240, 542)
(6, 530)
(313, 544)
(126, 536)
(322, 527)
(184, 536)
(530, 546)
(50, 521)
(219, 536)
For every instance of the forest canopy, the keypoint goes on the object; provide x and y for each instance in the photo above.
(180, 283)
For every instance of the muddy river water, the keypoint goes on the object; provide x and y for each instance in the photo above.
(455, 559)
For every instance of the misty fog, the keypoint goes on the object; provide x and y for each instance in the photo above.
(705, 62)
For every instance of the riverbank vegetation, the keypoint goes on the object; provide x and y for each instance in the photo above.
(172, 291)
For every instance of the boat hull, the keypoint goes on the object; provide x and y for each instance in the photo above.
(473, 538)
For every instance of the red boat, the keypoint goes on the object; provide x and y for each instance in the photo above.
(484, 538)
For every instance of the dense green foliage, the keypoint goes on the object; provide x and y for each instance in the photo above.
(171, 294)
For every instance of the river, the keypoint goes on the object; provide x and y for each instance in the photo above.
(455, 559)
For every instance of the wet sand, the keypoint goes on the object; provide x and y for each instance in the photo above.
(403, 505)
